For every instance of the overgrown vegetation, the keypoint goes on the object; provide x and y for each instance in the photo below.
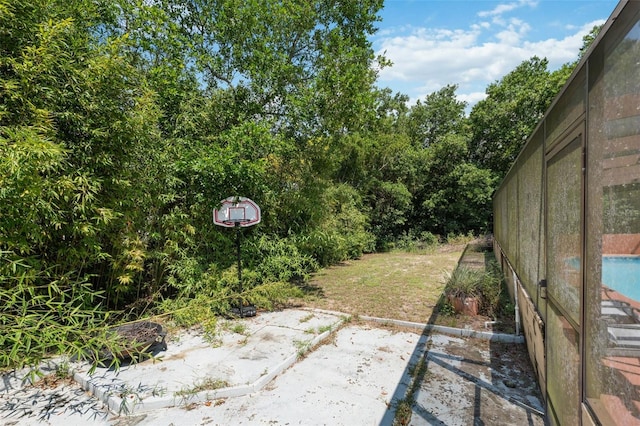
(123, 123)
(487, 285)
(37, 321)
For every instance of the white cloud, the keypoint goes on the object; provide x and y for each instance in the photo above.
(506, 7)
(472, 98)
(514, 31)
(429, 59)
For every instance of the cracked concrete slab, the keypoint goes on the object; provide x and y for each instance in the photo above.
(255, 373)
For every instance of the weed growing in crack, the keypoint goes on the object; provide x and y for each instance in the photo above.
(129, 398)
(324, 328)
(63, 370)
(403, 412)
(207, 384)
(239, 328)
(403, 407)
(302, 346)
(307, 318)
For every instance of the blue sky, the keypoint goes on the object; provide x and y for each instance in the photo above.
(470, 43)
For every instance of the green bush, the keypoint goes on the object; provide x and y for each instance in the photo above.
(460, 238)
(494, 291)
(411, 242)
(390, 211)
(348, 222)
(277, 259)
(43, 315)
(342, 234)
(325, 247)
(488, 286)
(220, 292)
(464, 282)
(444, 307)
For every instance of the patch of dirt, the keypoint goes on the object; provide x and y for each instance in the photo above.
(503, 324)
(52, 381)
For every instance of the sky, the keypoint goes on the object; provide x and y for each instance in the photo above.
(473, 43)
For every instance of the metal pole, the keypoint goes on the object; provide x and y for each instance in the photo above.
(239, 264)
(515, 292)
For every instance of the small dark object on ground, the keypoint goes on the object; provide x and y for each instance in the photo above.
(137, 338)
(247, 311)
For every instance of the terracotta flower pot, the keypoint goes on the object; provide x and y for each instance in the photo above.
(465, 304)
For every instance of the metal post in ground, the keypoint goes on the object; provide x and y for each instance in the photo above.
(239, 265)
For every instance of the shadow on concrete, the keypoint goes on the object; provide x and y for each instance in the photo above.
(502, 385)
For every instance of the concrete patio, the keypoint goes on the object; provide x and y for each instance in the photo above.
(297, 367)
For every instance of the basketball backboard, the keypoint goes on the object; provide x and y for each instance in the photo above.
(236, 211)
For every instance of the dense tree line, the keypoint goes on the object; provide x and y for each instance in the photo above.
(123, 123)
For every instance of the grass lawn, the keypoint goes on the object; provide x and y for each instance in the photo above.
(398, 285)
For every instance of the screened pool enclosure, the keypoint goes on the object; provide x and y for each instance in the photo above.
(567, 234)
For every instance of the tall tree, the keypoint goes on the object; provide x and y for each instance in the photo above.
(440, 114)
(305, 66)
(456, 197)
(503, 121)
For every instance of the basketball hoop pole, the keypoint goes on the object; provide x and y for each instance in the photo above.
(237, 226)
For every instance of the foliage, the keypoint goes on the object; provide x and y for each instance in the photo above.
(208, 383)
(503, 121)
(455, 196)
(392, 206)
(65, 317)
(280, 260)
(457, 239)
(414, 243)
(494, 291)
(440, 115)
(124, 123)
(587, 41)
(66, 100)
(343, 233)
(464, 282)
(486, 285)
(218, 296)
(463, 202)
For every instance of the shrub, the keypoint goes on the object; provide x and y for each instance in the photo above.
(497, 299)
(220, 292)
(487, 286)
(409, 241)
(453, 238)
(464, 282)
(343, 233)
(43, 315)
(390, 211)
(277, 259)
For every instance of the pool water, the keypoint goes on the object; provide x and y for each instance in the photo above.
(622, 274)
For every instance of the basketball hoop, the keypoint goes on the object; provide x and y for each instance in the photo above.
(236, 211)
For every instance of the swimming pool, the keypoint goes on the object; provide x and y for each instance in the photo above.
(622, 274)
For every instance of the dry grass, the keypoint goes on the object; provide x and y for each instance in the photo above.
(397, 285)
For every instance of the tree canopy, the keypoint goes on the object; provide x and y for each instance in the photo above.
(503, 121)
